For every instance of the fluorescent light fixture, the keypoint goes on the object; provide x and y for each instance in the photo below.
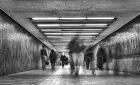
(45, 18)
(73, 18)
(54, 36)
(51, 29)
(62, 37)
(96, 24)
(100, 18)
(70, 18)
(69, 33)
(57, 25)
(92, 29)
(72, 24)
(67, 38)
(72, 29)
(89, 33)
(48, 25)
(80, 34)
(53, 33)
(82, 29)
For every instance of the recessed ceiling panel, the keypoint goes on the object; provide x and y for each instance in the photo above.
(59, 31)
(69, 12)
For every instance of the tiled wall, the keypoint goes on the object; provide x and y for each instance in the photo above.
(19, 50)
(123, 46)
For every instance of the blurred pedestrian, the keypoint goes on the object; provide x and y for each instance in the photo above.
(76, 46)
(53, 58)
(101, 58)
(71, 63)
(87, 59)
(63, 60)
(43, 57)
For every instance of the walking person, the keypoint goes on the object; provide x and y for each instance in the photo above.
(87, 59)
(43, 57)
(101, 58)
(53, 57)
(76, 57)
(76, 45)
(63, 60)
(71, 63)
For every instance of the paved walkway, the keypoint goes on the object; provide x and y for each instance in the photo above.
(62, 76)
(32, 77)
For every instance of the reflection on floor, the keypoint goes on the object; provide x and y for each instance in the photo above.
(63, 77)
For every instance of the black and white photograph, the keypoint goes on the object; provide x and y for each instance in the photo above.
(69, 42)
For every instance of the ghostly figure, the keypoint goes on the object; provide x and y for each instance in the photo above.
(76, 60)
(76, 46)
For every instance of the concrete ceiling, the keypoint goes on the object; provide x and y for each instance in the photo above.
(22, 10)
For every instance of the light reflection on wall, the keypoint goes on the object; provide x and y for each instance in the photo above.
(19, 36)
(124, 42)
(123, 48)
(4, 25)
(124, 37)
(19, 50)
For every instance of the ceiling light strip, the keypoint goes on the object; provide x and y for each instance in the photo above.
(45, 18)
(72, 33)
(81, 36)
(65, 25)
(82, 29)
(48, 25)
(53, 33)
(72, 24)
(92, 18)
(96, 24)
(72, 18)
(58, 41)
(62, 37)
(50, 30)
(92, 29)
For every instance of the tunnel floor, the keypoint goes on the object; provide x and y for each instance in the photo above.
(61, 76)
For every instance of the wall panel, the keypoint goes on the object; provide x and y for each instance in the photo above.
(19, 50)
(124, 47)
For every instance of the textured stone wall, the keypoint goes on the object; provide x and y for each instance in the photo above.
(19, 50)
(123, 47)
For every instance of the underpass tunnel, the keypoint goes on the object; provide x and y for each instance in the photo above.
(112, 47)
(21, 47)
